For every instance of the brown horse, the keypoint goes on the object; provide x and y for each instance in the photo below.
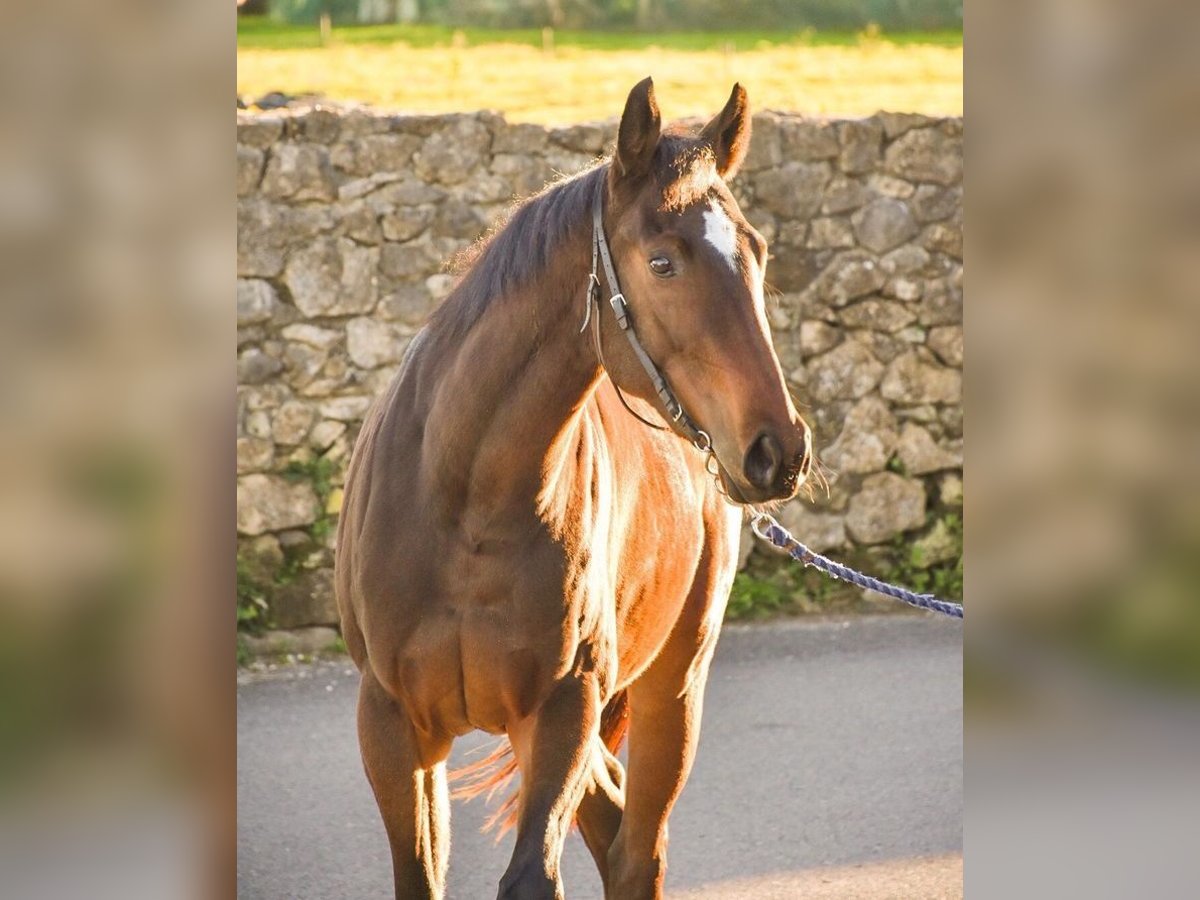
(519, 554)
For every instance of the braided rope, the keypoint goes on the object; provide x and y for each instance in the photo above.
(765, 526)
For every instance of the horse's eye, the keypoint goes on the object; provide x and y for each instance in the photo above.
(661, 266)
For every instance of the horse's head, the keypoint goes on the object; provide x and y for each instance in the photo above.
(692, 268)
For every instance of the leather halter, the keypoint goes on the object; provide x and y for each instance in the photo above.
(620, 306)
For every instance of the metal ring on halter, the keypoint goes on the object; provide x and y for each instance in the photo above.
(757, 521)
(703, 442)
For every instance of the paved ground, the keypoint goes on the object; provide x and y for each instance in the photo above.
(830, 766)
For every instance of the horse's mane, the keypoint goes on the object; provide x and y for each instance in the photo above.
(523, 245)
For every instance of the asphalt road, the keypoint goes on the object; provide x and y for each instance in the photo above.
(830, 766)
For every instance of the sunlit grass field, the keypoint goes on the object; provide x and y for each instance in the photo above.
(586, 75)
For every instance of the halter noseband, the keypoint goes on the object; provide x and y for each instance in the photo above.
(620, 306)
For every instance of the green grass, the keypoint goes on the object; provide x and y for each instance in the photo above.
(261, 33)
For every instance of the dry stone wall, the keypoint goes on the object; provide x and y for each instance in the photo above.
(345, 219)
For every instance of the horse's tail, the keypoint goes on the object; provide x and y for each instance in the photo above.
(496, 771)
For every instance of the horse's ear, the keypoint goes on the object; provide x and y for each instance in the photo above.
(729, 133)
(638, 135)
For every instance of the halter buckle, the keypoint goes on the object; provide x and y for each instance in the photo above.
(621, 309)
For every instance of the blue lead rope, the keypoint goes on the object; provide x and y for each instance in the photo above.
(765, 526)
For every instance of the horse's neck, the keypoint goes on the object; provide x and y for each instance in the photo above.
(510, 400)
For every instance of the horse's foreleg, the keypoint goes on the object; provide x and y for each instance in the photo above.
(553, 751)
(408, 776)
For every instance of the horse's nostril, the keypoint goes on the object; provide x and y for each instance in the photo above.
(763, 460)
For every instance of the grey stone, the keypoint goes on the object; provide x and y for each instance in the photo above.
(846, 372)
(256, 301)
(947, 342)
(941, 304)
(919, 454)
(943, 238)
(794, 234)
(932, 203)
(883, 224)
(527, 173)
(261, 559)
(265, 231)
(375, 155)
(298, 172)
(449, 155)
(267, 396)
(861, 142)
(272, 503)
(521, 137)
(291, 423)
(820, 531)
(905, 260)
(333, 277)
(371, 343)
(440, 285)
(848, 276)
(938, 545)
(361, 222)
(884, 347)
(259, 251)
(258, 424)
(886, 506)
(826, 233)
(896, 124)
(254, 454)
(361, 187)
(485, 187)
(325, 433)
(816, 337)
(766, 145)
(866, 441)
(904, 289)
(843, 195)
(249, 169)
(307, 600)
(304, 363)
(321, 338)
(586, 138)
(794, 190)
(880, 315)
(409, 303)
(319, 125)
(809, 140)
(887, 186)
(345, 409)
(458, 220)
(409, 192)
(408, 262)
(254, 366)
(258, 131)
(910, 381)
(926, 154)
(950, 489)
(406, 222)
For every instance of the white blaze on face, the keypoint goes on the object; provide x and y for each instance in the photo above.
(720, 231)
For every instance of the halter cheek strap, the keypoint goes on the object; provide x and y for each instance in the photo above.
(620, 307)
